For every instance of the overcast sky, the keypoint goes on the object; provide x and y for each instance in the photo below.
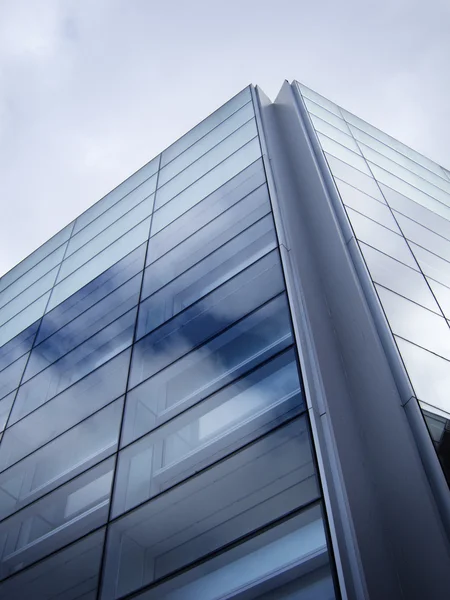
(90, 90)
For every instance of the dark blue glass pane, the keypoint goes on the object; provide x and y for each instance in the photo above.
(10, 377)
(217, 311)
(91, 293)
(210, 367)
(73, 366)
(18, 346)
(83, 327)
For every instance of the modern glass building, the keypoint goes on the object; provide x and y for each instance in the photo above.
(229, 378)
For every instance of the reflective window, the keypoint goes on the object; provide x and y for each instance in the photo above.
(10, 377)
(189, 380)
(220, 309)
(91, 293)
(429, 374)
(354, 177)
(442, 294)
(24, 319)
(100, 263)
(335, 134)
(71, 574)
(410, 191)
(55, 520)
(210, 430)
(432, 265)
(111, 216)
(206, 143)
(247, 188)
(205, 126)
(414, 323)
(58, 461)
(27, 280)
(424, 237)
(210, 182)
(282, 563)
(83, 327)
(318, 99)
(398, 277)
(343, 153)
(325, 115)
(415, 211)
(117, 194)
(381, 238)
(34, 291)
(5, 408)
(253, 487)
(37, 256)
(18, 346)
(439, 428)
(66, 410)
(106, 237)
(76, 364)
(217, 268)
(207, 162)
(367, 205)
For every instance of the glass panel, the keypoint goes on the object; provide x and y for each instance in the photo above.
(335, 134)
(213, 180)
(24, 319)
(117, 194)
(424, 237)
(398, 278)
(130, 202)
(343, 153)
(57, 519)
(36, 257)
(439, 428)
(354, 177)
(432, 265)
(5, 408)
(60, 460)
(286, 562)
(36, 290)
(399, 158)
(204, 242)
(93, 292)
(228, 356)
(206, 143)
(32, 276)
(416, 212)
(232, 301)
(442, 294)
(96, 351)
(393, 143)
(100, 263)
(246, 189)
(83, 327)
(315, 97)
(381, 238)
(71, 574)
(416, 324)
(209, 431)
(429, 374)
(366, 205)
(410, 191)
(10, 377)
(325, 115)
(66, 410)
(253, 487)
(18, 346)
(206, 275)
(106, 237)
(205, 126)
(207, 162)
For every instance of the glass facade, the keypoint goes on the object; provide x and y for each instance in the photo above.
(155, 435)
(398, 204)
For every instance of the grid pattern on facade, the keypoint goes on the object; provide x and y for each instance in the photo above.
(155, 436)
(398, 204)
